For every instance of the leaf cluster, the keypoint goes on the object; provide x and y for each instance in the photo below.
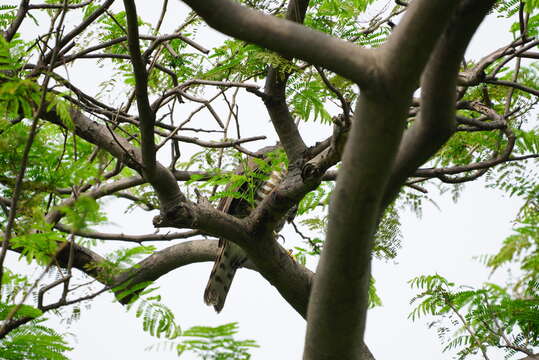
(32, 340)
(481, 318)
(216, 343)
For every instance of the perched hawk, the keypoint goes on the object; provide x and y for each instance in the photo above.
(231, 256)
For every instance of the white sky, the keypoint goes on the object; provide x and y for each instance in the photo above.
(442, 241)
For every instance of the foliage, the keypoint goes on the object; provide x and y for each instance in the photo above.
(210, 343)
(34, 341)
(7, 14)
(157, 319)
(481, 318)
(216, 343)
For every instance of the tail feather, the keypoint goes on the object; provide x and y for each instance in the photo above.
(232, 256)
(222, 274)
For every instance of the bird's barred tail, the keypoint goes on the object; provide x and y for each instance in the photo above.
(232, 256)
(222, 274)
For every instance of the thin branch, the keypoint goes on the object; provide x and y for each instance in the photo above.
(514, 54)
(314, 245)
(204, 143)
(344, 104)
(469, 329)
(161, 17)
(83, 25)
(513, 84)
(179, 89)
(165, 38)
(124, 237)
(58, 6)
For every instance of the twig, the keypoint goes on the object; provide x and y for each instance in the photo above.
(314, 245)
(127, 238)
(161, 17)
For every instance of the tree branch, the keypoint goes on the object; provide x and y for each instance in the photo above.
(146, 114)
(123, 237)
(288, 39)
(19, 17)
(164, 183)
(274, 96)
(343, 273)
(513, 84)
(436, 121)
(82, 26)
(411, 43)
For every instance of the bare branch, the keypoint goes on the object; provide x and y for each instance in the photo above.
(58, 6)
(344, 104)
(513, 84)
(514, 54)
(127, 238)
(161, 17)
(530, 55)
(146, 114)
(83, 25)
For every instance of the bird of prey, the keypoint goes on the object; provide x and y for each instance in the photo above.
(231, 256)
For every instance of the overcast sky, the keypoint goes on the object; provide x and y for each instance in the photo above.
(443, 241)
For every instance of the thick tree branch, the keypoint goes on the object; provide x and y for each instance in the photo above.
(343, 273)
(436, 121)
(186, 214)
(168, 259)
(145, 112)
(283, 122)
(19, 17)
(288, 39)
(530, 55)
(410, 45)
